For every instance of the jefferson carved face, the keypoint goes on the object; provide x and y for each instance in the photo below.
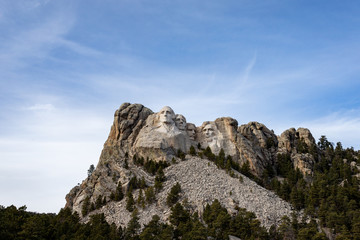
(208, 131)
(180, 121)
(190, 128)
(166, 115)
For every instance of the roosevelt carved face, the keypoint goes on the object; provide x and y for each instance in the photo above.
(208, 131)
(180, 121)
(166, 115)
(191, 131)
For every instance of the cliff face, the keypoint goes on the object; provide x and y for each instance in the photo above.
(298, 143)
(137, 133)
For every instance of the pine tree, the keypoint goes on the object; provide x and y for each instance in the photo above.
(159, 179)
(85, 206)
(178, 215)
(173, 195)
(98, 202)
(142, 183)
(150, 195)
(133, 226)
(141, 200)
(192, 151)
(119, 195)
(130, 202)
(91, 170)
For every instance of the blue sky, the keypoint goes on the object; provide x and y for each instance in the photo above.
(66, 66)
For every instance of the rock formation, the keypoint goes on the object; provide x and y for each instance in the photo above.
(139, 133)
(299, 143)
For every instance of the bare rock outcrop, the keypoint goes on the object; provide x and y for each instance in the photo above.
(298, 143)
(262, 142)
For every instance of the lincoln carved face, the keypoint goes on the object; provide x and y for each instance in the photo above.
(208, 131)
(166, 115)
(180, 121)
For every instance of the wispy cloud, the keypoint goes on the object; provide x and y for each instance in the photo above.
(343, 126)
(41, 107)
(35, 41)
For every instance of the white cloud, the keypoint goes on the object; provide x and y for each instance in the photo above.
(41, 107)
(48, 153)
(341, 127)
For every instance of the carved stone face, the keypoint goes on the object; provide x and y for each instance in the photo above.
(191, 131)
(208, 131)
(166, 115)
(180, 121)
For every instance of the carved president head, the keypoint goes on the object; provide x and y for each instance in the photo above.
(166, 115)
(191, 130)
(209, 130)
(180, 121)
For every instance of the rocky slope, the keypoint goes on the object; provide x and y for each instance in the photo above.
(201, 183)
(137, 131)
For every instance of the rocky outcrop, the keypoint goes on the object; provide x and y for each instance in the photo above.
(129, 119)
(298, 144)
(137, 132)
(263, 144)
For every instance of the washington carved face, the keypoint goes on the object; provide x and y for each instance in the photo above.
(166, 115)
(180, 122)
(190, 128)
(208, 131)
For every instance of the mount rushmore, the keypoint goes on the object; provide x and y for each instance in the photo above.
(138, 132)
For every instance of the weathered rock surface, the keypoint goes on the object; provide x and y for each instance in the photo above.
(298, 143)
(137, 130)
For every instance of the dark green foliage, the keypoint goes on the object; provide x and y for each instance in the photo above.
(222, 161)
(133, 184)
(133, 227)
(151, 166)
(150, 195)
(178, 215)
(155, 230)
(19, 224)
(118, 195)
(208, 153)
(91, 170)
(173, 195)
(192, 151)
(180, 154)
(245, 169)
(142, 183)
(159, 179)
(301, 146)
(85, 206)
(332, 196)
(141, 199)
(130, 202)
(99, 202)
(284, 164)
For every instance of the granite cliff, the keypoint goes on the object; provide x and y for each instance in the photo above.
(165, 137)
